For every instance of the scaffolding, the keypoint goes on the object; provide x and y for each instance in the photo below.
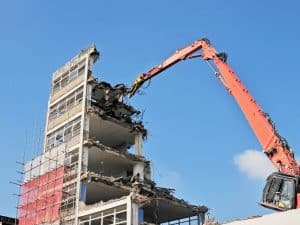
(47, 195)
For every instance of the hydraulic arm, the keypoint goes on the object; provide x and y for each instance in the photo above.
(274, 146)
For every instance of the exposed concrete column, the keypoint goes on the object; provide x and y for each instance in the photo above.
(139, 169)
(85, 159)
(137, 214)
(201, 218)
(89, 94)
(147, 172)
(138, 144)
(129, 210)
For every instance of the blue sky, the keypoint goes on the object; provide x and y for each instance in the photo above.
(195, 128)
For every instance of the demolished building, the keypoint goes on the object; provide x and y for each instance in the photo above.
(86, 174)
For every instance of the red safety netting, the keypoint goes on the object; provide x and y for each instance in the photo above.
(41, 198)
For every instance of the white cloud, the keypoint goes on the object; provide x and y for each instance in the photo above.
(254, 164)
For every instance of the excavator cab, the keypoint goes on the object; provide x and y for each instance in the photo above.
(280, 191)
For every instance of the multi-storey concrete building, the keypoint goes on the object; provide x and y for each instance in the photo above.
(86, 175)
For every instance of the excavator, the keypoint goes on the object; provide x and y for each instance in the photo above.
(282, 188)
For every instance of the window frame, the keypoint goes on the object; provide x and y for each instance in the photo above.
(75, 98)
(59, 134)
(68, 76)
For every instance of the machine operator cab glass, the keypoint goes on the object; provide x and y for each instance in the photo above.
(280, 192)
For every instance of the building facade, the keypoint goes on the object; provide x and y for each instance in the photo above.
(86, 174)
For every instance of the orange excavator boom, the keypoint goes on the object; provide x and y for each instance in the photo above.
(274, 145)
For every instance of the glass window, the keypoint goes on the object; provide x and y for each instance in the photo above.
(288, 189)
(116, 215)
(81, 70)
(96, 222)
(287, 194)
(53, 113)
(121, 208)
(74, 67)
(74, 158)
(67, 77)
(85, 223)
(50, 142)
(62, 107)
(64, 134)
(79, 97)
(96, 215)
(66, 104)
(108, 212)
(58, 138)
(71, 102)
(73, 74)
(64, 79)
(68, 133)
(107, 220)
(121, 217)
(76, 128)
(56, 85)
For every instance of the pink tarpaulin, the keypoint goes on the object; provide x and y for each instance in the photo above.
(41, 198)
